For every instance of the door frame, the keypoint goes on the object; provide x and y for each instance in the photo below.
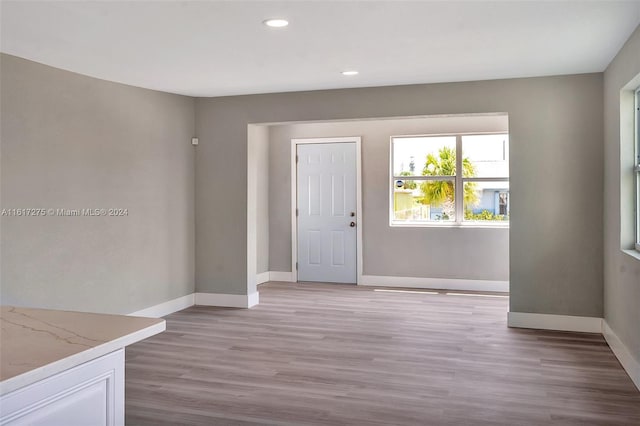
(294, 199)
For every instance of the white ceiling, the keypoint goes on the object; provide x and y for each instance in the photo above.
(221, 48)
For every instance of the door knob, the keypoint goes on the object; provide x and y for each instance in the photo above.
(352, 224)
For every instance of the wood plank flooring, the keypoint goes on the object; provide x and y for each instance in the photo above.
(322, 354)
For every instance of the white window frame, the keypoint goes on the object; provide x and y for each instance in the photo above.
(458, 180)
(636, 168)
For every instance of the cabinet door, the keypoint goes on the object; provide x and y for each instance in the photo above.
(89, 394)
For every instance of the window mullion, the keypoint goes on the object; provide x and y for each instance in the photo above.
(459, 190)
(421, 178)
(485, 179)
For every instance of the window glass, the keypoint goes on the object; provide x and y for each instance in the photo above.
(411, 154)
(637, 167)
(486, 201)
(485, 155)
(424, 201)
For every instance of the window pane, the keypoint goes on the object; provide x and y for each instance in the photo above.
(421, 156)
(486, 201)
(638, 127)
(637, 208)
(424, 201)
(637, 162)
(485, 155)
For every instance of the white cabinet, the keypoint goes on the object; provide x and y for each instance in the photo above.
(88, 394)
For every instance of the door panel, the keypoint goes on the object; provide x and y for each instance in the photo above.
(337, 248)
(326, 199)
(337, 195)
(314, 195)
(315, 247)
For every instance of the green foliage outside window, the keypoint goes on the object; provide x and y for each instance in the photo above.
(408, 184)
(440, 193)
(484, 215)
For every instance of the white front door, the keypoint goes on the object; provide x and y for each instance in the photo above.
(326, 197)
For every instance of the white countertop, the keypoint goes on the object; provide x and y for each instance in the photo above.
(38, 343)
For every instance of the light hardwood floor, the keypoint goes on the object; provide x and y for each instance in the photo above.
(327, 354)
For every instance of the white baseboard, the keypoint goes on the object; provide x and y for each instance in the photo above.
(253, 299)
(166, 308)
(263, 277)
(227, 300)
(629, 363)
(282, 276)
(554, 322)
(434, 283)
(204, 299)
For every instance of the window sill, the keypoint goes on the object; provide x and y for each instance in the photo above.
(469, 225)
(633, 253)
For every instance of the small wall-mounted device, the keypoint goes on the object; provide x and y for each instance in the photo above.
(194, 141)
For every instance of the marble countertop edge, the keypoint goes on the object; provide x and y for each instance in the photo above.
(14, 383)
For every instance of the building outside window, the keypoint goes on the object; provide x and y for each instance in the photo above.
(503, 203)
(427, 187)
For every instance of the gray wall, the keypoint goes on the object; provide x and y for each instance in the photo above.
(70, 141)
(556, 126)
(262, 198)
(257, 191)
(622, 270)
(473, 253)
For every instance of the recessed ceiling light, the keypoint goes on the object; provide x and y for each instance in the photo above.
(352, 72)
(276, 23)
